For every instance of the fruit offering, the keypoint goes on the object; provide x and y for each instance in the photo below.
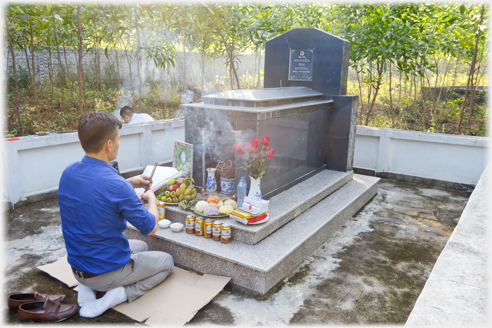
(177, 190)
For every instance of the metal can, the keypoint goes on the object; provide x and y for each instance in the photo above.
(216, 230)
(207, 228)
(161, 209)
(190, 224)
(226, 233)
(199, 226)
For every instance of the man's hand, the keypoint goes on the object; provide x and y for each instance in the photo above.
(148, 197)
(140, 181)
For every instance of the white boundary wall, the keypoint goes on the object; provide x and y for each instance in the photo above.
(459, 159)
(33, 165)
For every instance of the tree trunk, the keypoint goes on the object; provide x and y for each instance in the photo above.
(455, 71)
(472, 98)
(99, 72)
(259, 69)
(409, 94)
(60, 66)
(379, 69)
(95, 67)
(166, 90)
(231, 74)
(51, 80)
(361, 99)
(203, 69)
(225, 45)
(79, 70)
(117, 67)
(34, 79)
(399, 93)
(369, 89)
(139, 64)
(423, 100)
(415, 89)
(391, 99)
(443, 80)
(472, 69)
(28, 66)
(472, 103)
(184, 67)
(68, 72)
(130, 68)
(17, 101)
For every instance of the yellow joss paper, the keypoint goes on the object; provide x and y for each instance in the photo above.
(242, 214)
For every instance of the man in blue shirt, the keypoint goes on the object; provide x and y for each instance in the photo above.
(95, 205)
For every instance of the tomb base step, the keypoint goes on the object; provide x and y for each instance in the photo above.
(282, 208)
(260, 267)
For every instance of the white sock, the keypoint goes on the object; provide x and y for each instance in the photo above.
(85, 295)
(96, 308)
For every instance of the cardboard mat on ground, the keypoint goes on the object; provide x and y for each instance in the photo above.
(173, 302)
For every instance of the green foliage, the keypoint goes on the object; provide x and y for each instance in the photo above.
(23, 79)
(409, 36)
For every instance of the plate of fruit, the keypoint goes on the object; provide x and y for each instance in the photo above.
(177, 190)
(214, 207)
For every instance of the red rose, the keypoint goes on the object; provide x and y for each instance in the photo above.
(242, 152)
(248, 145)
(265, 140)
(254, 151)
(256, 142)
(270, 154)
(267, 147)
(236, 147)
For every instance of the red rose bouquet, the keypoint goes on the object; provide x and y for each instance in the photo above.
(256, 155)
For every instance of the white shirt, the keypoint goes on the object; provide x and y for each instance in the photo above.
(140, 117)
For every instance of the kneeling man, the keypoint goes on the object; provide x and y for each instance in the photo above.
(95, 205)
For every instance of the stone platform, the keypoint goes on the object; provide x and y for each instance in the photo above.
(282, 208)
(258, 267)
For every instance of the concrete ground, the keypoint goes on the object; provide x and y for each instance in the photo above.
(371, 272)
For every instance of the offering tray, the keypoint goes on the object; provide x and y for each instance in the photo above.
(210, 216)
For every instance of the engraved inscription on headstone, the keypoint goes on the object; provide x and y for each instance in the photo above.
(301, 65)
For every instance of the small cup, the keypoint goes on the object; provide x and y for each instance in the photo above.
(164, 223)
(176, 227)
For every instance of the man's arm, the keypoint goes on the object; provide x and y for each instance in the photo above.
(139, 181)
(149, 198)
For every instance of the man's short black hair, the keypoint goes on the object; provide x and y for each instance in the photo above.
(95, 128)
(126, 111)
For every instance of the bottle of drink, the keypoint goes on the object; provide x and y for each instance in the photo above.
(241, 191)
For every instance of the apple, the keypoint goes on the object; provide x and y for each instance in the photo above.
(173, 187)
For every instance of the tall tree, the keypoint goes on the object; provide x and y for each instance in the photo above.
(80, 71)
(17, 101)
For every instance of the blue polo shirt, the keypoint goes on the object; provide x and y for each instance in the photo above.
(95, 204)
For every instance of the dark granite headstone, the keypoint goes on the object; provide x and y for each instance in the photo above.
(315, 59)
(310, 58)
